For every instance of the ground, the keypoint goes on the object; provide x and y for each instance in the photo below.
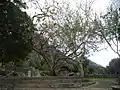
(102, 84)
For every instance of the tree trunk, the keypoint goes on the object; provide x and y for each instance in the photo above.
(80, 68)
(53, 73)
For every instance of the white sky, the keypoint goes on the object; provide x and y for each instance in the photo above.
(100, 5)
(102, 57)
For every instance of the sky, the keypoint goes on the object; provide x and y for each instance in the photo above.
(102, 57)
(100, 5)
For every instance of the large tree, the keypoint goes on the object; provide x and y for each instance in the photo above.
(70, 31)
(16, 31)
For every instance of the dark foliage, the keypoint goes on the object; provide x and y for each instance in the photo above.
(16, 31)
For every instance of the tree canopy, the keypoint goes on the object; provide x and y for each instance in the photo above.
(114, 66)
(16, 31)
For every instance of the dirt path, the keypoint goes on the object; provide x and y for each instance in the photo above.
(101, 85)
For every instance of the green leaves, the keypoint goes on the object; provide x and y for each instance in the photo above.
(16, 33)
(20, 3)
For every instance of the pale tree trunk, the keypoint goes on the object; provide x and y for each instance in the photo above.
(80, 68)
(79, 61)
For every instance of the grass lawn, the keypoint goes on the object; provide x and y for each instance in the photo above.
(97, 79)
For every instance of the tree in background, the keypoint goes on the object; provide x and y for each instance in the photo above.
(115, 3)
(16, 31)
(108, 28)
(114, 66)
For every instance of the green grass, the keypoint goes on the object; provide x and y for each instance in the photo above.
(96, 79)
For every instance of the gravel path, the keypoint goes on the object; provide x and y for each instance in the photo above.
(101, 85)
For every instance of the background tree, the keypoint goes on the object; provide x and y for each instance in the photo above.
(114, 66)
(16, 31)
(115, 3)
(107, 27)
